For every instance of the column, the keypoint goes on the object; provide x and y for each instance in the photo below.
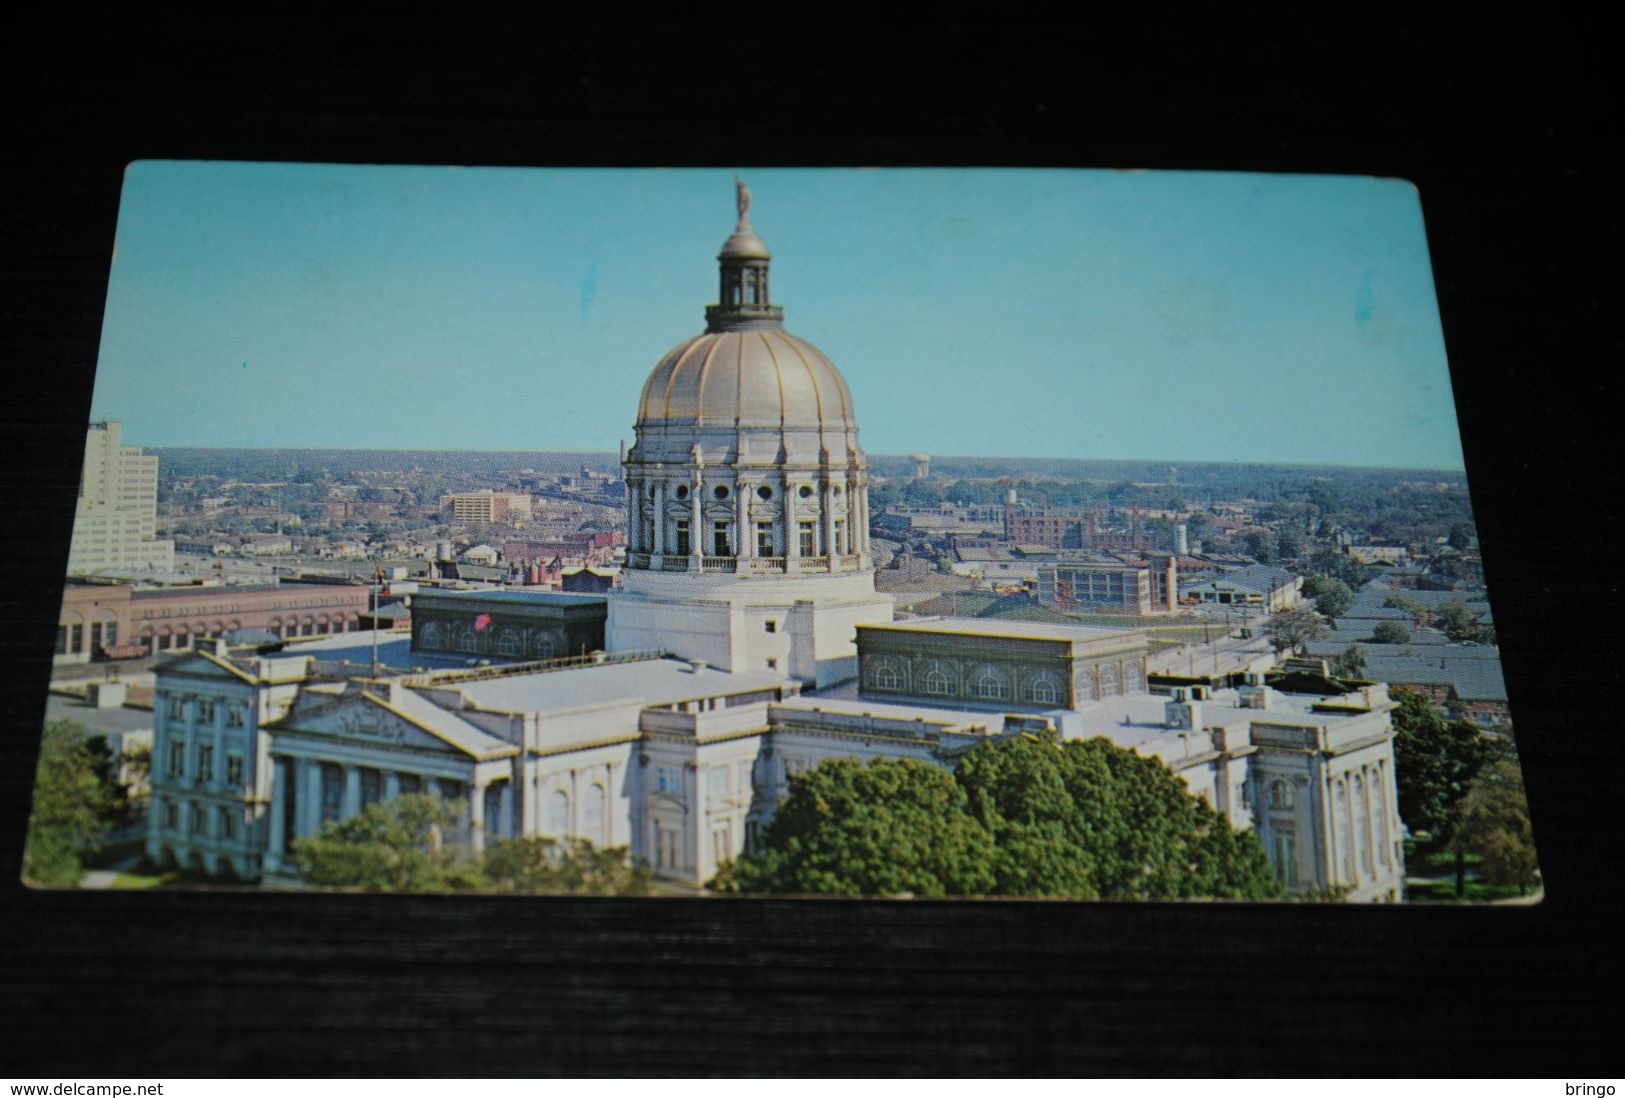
(430, 785)
(218, 740)
(660, 517)
(352, 790)
(505, 824)
(745, 537)
(476, 816)
(632, 523)
(696, 521)
(792, 530)
(828, 523)
(279, 791)
(392, 785)
(310, 806)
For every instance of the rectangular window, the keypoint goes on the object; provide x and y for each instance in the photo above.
(194, 818)
(225, 823)
(719, 779)
(76, 637)
(205, 710)
(172, 815)
(62, 640)
(840, 536)
(772, 664)
(234, 770)
(771, 626)
(681, 549)
(177, 758)
(669, 780)
(722, 847)
(808, 544)
(666, 846)
(235, 716)
(205, 763)
(720, 545)
(764, 539)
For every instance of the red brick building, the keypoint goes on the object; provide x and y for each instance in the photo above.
(117, 621)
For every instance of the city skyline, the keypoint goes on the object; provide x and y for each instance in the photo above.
(1074, 315)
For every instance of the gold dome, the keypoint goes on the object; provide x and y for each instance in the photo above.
(753, 377)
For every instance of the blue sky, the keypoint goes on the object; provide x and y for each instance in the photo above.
(1150, 315)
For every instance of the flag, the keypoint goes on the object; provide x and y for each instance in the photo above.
(482, 623)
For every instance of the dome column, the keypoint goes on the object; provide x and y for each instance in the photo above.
(830, 555)
(659, 547)
(792, 534)
(743, 534)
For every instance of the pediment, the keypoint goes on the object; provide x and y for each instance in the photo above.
(362, 720)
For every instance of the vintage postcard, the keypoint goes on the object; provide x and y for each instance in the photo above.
(1078, 535)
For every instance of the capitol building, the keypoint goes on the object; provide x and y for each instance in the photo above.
(749, 644)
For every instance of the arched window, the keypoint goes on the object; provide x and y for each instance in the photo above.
(887, 678)
(991, 686)
(508, 643)
(1131, 679)
(593, 814)
(465, 639)
(1108, 681)
(1281, 794)
(936, 682)
(431, 636)
(558, 814)
(1042, 691)
(1086, 686)
(542, 645)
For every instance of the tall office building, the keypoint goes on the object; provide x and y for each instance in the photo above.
(115, 522)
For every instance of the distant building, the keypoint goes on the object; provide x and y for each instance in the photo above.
(1119, 585)
(1258, 586)
(116, 517)
(118, 621)
(511, 508)
(536, 625)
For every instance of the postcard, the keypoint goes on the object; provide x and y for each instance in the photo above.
(512, 531)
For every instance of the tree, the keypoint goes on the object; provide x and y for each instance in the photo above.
(1088, 819)
(70, 799)
(1461, 535)
(1329, 562)
(1493, 822)
(1416, 609)
(894, 826)
(573, 868)
(1390, 632)
(1259, 545)
(1024, 816)
(1334, 598)
(1459, 622)
(1288, 543)
(392, 846)
(1351, 664)
(1434, 763)
(1291, 630)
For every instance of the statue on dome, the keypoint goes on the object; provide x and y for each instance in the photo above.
(742, 198)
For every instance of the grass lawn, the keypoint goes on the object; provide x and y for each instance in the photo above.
(129, 882)
(1445, 892)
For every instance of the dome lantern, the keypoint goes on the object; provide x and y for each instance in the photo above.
(743, 302)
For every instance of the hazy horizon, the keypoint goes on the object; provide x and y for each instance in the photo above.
(1233, 317)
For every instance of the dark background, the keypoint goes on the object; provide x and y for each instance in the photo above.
(1502, 127)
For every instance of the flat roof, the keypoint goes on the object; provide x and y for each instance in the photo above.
(858, 707)
(993, 627)
(394, 651)
(647, 682)
(97, 721)
(523, 598)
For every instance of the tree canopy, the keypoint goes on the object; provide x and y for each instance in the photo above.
(1025, 816)
(400, 846)
(1493, 822)
(1435, 761)
(1390, 632)
(1290, 630)
(71, 799)
(1334, 598)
